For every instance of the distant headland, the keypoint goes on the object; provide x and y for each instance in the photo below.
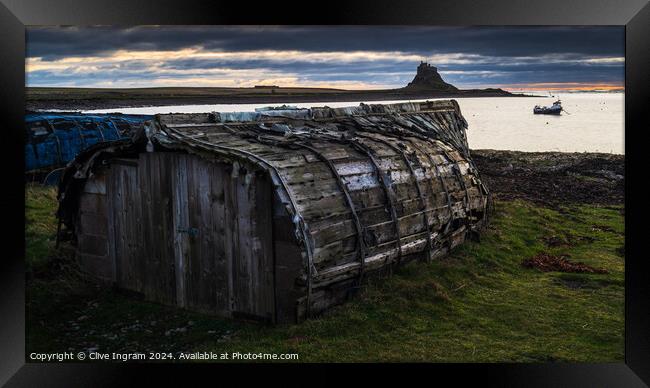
(427, 83)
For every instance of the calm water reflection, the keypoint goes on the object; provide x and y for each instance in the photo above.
(594, 122)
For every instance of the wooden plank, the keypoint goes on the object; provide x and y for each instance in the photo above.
(112, 221)
(263, 229)
(231, 232)
(179, 189)
(136, 229)
(289, 263)
(162, 217)
(218, 227)
(115, 189)
(209, 253)
(128, 272)
(93, 223)
(201, 279)
(160, 278)
(144, 184)
(242, 241)
(193, 258)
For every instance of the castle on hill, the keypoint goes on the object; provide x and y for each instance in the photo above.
(428, 78)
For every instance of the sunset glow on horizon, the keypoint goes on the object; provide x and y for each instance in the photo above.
(569, 86)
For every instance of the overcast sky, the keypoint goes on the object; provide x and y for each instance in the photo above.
(544, 58)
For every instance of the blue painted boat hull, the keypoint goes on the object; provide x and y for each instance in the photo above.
(54, 139)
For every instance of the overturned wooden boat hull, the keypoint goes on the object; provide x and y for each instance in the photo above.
(53, 139)
(274, 216)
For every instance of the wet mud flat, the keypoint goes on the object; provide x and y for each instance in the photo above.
(553, 178)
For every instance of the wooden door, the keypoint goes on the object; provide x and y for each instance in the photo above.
(250, 199)
(159, 276)
(124, 207)
(140, 222)
(222, 238)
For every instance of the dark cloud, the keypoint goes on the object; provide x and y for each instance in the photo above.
(55, 42)
(499, 55)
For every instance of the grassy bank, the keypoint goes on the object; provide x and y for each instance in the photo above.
(40, 224)
(479, 304)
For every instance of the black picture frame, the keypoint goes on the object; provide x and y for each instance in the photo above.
(16, 14)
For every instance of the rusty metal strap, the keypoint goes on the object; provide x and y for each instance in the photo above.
(469, 159)
(433, 165)
(342, 186)
(450, 129)
(409, 164)
(456, 170)
(386, 186)
(441, 127)
(384, 182)
(348, 198)
(374, 127)
(440, 131)
(339, 181)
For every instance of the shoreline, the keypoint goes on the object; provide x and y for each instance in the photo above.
(117, 99)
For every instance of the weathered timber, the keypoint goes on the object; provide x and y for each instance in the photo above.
(276, 217)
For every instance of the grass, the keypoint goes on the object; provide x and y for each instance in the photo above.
(477, 305)
(40, 223)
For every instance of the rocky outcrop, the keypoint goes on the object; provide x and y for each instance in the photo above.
(427, 78)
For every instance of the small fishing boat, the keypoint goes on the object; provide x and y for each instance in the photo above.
(554, 109)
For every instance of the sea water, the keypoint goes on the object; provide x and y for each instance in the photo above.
(591, 122)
